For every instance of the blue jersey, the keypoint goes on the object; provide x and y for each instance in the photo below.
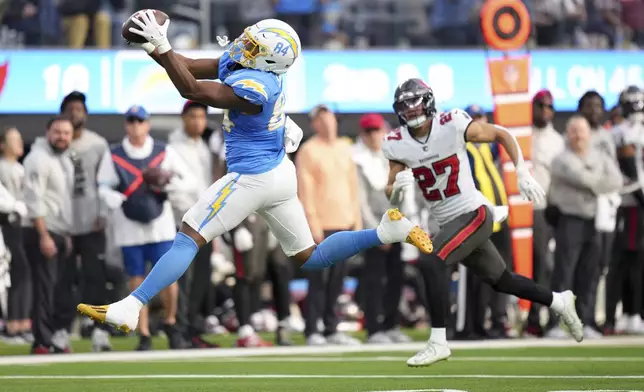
(254, 142)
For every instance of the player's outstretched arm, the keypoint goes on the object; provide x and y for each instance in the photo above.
(210, 93)
(158, 44)
(199, 68)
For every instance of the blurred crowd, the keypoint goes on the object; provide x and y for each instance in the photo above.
(80, 224)
(322, 23)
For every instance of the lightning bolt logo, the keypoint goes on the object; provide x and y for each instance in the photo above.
(284, 35)
(219, 201)
(252, 85)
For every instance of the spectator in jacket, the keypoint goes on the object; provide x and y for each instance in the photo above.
(48, 191)
(12, 209)
(579, 175)
(142, 212)
(591, 107)
(89, 212)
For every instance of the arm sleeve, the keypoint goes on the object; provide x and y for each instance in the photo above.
(459, 121)
(574, 173)
(7, 201)
(369, 219)
(36, 173)
(106, 173)
(388, 146)
(306, 190)
(355, 194)
(613, 179)
(108, 180)
(103, 210)
(628, 166)
(183, 180)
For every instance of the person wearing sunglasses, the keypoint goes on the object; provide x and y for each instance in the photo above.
(547, 143)
(137, 180)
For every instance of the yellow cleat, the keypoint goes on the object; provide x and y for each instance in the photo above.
(98, 313)
(416, 236)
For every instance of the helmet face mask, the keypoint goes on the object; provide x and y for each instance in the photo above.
(269, 45)
(414, 103)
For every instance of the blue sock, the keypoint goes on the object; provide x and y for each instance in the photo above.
(168, 269)
(340, 246)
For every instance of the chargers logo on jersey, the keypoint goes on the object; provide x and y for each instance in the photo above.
(220, 201)
(252, 85)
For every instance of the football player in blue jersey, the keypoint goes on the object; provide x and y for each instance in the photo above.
(260, 177)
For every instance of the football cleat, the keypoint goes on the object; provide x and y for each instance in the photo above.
(394, 227)
(432, 353)
(569, 317)
(123, 314)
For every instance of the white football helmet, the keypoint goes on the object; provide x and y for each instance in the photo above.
(269, 45)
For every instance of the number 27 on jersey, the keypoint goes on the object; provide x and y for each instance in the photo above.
(426, 178)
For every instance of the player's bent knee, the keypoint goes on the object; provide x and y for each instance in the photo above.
(502, 282)
(303, 256)
(192, 233)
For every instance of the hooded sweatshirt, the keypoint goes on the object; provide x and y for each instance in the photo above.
(49, 178)
(86, 153)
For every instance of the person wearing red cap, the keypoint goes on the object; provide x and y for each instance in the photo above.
(382, 278)
(547, 143)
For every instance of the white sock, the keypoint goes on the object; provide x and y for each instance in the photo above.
(131, 302)
(438, 335)
(557, 303)
(245, 331)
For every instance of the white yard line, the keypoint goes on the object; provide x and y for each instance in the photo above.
(314, 376)
(179, 355)
(334, 359)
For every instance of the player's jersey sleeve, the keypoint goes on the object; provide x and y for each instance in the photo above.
(624, 136)
(458, 121)
(391, 138)
(251, 85)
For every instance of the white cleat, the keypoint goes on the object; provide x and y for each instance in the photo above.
(432, 353)
(570, 318)
(124, 314)
(394, 228)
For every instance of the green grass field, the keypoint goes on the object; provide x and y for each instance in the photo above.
(615, 365)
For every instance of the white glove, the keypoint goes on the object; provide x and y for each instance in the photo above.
(404, 181)
(20, 208)
(243, 239)
(148, 47)
(292, 136)
(529, 187)
(152, 31)
(111, 198)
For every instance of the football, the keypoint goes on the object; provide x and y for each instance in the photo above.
(160, 16)
(156, 177)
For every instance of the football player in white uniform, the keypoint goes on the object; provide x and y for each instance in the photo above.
(626, 267)
(429, 150)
